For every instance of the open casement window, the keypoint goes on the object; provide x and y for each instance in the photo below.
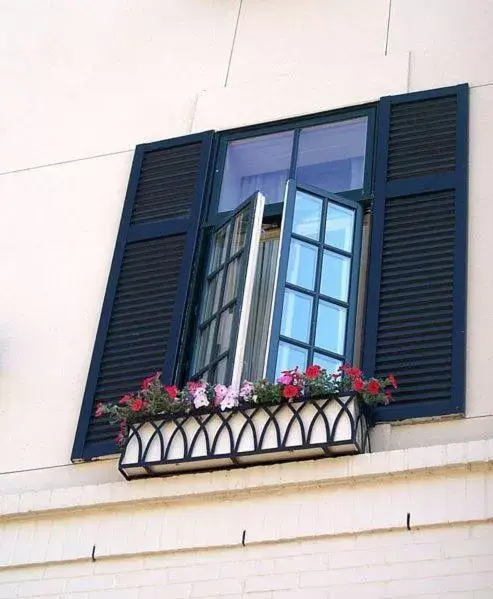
(226, 300)
(314, 311)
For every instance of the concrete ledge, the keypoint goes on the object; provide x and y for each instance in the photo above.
(222, 484)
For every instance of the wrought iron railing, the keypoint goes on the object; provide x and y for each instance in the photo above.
(250, 434)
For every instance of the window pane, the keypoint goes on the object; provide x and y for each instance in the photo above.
(260, 311)
(331, 327)
(204, 347)
(330, 364)
(296, 315)
(339, 227)
(332, 156)
(239, 231)
(220, 371)
(289, 356)
(224, 333)
(335, 275)
(302, 264)
(307, 215)
(219, 247)
(256, 164)
(211, 301)
(231, 288)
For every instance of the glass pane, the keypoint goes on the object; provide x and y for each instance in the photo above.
(296, 315)
(211, 301)
(332, 156)
(203, 349)
(224, 333)
(289, 356)
(331, 327)
(231, 288)
(335, 275)
(239, 231)
(302, 264)
(330, 364)
(219, 248)
(220, 372)
(256, 164)
(263, 292)
(307, 215)
(339, 228)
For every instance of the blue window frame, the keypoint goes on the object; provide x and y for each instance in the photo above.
(314, 311)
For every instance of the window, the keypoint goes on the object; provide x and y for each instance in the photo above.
(306, 283)
(333, 237)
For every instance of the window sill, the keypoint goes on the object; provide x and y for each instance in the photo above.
(245, 436)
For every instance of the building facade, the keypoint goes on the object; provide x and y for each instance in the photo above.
(381, 108)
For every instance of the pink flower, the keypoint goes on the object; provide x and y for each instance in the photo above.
(285, 379)
(194, 386)
(220, 391)
(246, 390)
(99, 410)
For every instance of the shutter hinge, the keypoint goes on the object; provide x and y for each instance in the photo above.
(367, 202)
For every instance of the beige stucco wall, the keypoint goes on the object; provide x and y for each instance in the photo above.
(83, 82)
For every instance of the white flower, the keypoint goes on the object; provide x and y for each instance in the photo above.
(229, 401)
(200, 399)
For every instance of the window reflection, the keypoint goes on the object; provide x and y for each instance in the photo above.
(256, 164)
(332, 156)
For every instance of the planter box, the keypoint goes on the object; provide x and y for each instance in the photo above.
(247, 435)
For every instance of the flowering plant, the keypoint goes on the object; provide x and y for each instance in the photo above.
(156, 399)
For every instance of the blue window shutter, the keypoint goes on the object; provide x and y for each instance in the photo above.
(416, 302)
(144, 306)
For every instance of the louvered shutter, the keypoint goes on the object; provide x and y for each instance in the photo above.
(144, 306)
(416, 303)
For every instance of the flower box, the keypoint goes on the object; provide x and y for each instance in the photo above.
(248, 434)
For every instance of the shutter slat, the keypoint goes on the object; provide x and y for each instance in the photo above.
(422, 138)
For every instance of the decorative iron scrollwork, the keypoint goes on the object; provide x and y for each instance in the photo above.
(249, 434)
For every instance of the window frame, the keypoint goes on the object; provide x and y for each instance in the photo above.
(281, 284)
(295, 124)
(272, 212)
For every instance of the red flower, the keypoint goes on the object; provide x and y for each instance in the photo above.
(392, 381)
(290, 391)
(137, 405)
(374, 387)
(99, 410)
(312, 372)
(388, 396)
(172, 391)
(350, 371)
(358, 384)
(126, 399)
(146, 383)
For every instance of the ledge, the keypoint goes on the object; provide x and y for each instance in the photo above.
(340, 471)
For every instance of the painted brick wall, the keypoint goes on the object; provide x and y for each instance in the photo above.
(440, 562)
